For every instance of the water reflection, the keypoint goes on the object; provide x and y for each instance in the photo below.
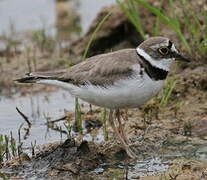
(33, 15)
(57, 17)
(26, 14)
(37, 108)
(45, 112)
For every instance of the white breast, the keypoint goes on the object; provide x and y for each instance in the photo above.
(128, 93)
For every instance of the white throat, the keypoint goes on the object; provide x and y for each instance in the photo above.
(162, 64)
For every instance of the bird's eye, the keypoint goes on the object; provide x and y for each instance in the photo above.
(163, 50)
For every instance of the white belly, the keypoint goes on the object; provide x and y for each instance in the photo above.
(130, 93)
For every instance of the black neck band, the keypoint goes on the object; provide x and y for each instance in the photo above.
(153, 72)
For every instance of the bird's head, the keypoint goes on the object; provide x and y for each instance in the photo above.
(160, 52)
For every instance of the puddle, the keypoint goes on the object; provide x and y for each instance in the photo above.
(40, 108)
(32, 15)
(25, 15)
(52, 105)
(37, 108)
(202, 153)
(148, 167)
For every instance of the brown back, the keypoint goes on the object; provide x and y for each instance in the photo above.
(102, 69)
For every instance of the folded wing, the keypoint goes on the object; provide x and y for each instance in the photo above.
(100, 70)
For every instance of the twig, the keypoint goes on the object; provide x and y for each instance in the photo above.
(24, 117)
(127, 171)
(173, 177)
(58, 129)
(57, 120)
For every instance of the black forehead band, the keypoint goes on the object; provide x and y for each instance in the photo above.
(170, 44)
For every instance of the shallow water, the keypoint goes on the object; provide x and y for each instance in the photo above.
(26, 15)
(42, 106)
(38, 108)
(148, 167)
(31, 15)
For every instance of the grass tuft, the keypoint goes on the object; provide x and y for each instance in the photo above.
(132, 13)
(188, 23)
(173, 23)
(8, 148)
(167, 91)
(93, 36)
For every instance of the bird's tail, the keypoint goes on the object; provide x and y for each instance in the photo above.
(34, 77)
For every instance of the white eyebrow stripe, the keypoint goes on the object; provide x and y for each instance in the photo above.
(160, 45)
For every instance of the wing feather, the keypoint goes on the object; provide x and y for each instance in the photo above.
(105, 69)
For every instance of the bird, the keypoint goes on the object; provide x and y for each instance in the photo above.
(122, 79)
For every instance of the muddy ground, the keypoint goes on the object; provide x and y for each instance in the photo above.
(176, 132)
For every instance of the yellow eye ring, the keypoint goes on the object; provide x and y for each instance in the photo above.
(163, 50)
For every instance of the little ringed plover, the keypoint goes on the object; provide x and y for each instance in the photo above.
(126, 78)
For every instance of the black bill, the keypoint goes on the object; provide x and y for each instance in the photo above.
(180, 57)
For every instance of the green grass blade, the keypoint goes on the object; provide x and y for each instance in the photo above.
(167, 92)
(133, 15)
(174, 18)
(78, 119)
(94, 34)
(174, 26)
(156, 28)
(103, 114)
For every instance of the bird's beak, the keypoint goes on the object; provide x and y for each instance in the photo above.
(180, 57)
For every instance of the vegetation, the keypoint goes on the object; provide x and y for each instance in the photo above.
(133, 14)
(104, 118)
(43, 41)
(94, 34)
(181, 23)
(167, 91)
(78, 120)
(8, 148)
